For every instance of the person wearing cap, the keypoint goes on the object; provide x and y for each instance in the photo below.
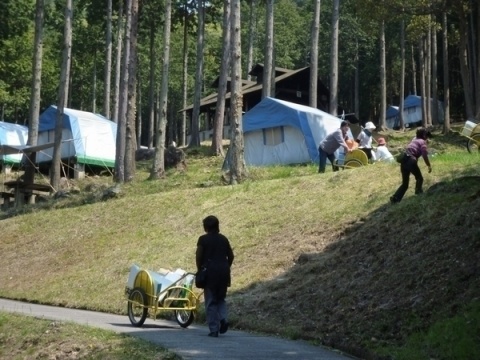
(382, 153)
(364, 140)
(330, 144)
(409, 165)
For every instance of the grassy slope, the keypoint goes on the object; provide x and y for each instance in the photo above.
(321, 257)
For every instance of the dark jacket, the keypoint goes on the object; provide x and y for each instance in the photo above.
(214, 252)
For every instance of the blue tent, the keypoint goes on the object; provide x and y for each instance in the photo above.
(412, 112)
(281, 132)
(87, 137)
(12, 135)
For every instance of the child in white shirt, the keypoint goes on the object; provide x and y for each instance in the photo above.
(382, 153)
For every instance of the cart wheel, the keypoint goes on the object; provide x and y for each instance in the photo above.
(353, 163)
(473, 144)
(184, 317)
(137, 307)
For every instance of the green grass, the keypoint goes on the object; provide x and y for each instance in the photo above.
(320, 257)
(24, 337)
(455, 338)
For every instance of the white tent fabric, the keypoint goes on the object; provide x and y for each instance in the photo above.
(12, 136)
(88, 137)
(280, 132)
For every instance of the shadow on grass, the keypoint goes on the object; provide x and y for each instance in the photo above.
(393, 274)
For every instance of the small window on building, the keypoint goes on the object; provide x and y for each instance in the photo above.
(273, 136)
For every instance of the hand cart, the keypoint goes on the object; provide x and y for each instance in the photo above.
(355, 158)
(471, 130)
(161, 291)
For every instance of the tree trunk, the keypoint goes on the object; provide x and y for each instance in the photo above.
(131, 140)
(238, 170)
(123, 99)
(139, 110)
(334, 59)
(268, 57)
(314, 56)
(62, 95)
(183, 127)
(108, 61)
(464, 67)
(158, 166)
(446, 79)
(422, 79)
(195, 130)
(35, 90)
(151, 87)
(402, 75)
(428, 77)
(252, 27)
(357, 81)
(94, 81)
(414, 72)
(118, 67)
(477, 89)
(434, 77)
(217, 140)
(383, 79)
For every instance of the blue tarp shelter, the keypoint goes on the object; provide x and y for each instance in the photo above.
(12, 136)
(412, 112)
(87, 137)
(281, 132)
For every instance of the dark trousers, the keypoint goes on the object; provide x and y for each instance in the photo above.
(409, 166)
(322, 163)
(215, 307)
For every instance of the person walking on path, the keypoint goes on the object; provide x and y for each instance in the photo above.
(382, 153)
(215, 254)
(330, 144)
(409, 165)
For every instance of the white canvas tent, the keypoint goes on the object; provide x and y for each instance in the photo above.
(12, 138)
(281, 132)
(412, 112)
(87, 137)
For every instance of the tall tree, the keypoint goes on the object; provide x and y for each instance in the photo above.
(195, 129)
(118, 63)
(252, 27)
(238, 170)
(183, 125)
(123, 99)
(62, 95)
(402, 76)
(158, 165)
(268, 67)
(108, 62)
(131, 140)
(446, 78)
(334, 59)
(383, 79)
(434, 75)
(36, 89)
(314, 56)
(217, 143)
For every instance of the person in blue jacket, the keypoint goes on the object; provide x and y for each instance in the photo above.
(215, 253)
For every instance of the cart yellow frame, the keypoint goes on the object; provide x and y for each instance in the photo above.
(147, 297)
(471, 131)
(354, 159)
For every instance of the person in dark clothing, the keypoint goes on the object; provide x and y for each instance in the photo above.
(330, 144)
(409, 165)
(215, 253)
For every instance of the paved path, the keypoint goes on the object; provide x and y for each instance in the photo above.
(190, 343)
